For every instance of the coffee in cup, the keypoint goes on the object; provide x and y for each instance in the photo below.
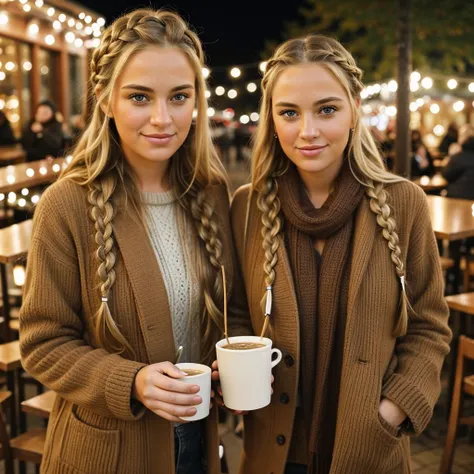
(198, 374)
(243, 346)
(245, 371)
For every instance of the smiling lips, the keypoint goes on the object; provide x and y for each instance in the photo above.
(311, 150)
(158, 138)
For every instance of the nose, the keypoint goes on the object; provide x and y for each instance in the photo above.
(309, 127)
(160, 116)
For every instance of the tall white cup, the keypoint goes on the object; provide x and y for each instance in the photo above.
(204, 382)
(245, 375)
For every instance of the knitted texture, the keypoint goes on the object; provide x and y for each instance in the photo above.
(176, 267)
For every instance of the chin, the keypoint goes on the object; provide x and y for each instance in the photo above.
(311, 166)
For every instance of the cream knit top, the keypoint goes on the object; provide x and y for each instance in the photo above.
(171, 245)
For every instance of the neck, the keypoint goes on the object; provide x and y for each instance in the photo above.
(319, 185)
(153, 177)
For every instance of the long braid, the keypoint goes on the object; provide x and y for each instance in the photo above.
(378, 204)
(269, 205)
(203, 211)
(102, 213)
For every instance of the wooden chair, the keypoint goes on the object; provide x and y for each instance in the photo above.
(462, 385)
(10, 364)
(5, 451)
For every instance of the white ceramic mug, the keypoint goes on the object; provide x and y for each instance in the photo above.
(204, 382)
(245, 375)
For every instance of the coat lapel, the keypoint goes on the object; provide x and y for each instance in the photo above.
(147, 285)
(364, 235)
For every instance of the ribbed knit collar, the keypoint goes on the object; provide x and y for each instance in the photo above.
(159, 199)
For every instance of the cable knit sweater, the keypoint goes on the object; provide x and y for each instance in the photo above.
(169, 244)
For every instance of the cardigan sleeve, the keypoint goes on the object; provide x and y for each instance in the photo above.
(52, 343)
(415, 385)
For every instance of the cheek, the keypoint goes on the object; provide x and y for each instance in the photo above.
(287, 131)
(183, 116)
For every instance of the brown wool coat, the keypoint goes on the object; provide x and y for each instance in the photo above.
(94, 428)
(375, 364)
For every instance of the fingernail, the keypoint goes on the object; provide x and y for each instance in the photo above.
(183, 373)
(197, 400)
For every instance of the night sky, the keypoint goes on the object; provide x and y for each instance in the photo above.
(233, 33)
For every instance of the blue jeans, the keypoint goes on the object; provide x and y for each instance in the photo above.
(188, 448)
(296, 469)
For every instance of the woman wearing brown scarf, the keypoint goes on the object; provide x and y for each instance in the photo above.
(347, 252)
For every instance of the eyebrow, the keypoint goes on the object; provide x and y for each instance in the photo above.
(141, 88)
(318, 102)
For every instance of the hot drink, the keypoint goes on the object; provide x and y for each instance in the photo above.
(192, 371)
(243, 346)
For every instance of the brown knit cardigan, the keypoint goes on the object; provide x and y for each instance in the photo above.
(94, 428)
(375, 364)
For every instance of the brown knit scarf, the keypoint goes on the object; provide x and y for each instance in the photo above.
(322, 298)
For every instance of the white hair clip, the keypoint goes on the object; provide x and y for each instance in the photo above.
(105, 299)
(268, 305)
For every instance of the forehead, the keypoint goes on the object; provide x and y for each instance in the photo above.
(306, 82)
(158, 67)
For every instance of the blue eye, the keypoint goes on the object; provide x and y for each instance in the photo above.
(181, 97)
(328, 110)
(288, 113)
(139, 98)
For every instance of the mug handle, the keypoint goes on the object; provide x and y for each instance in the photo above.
(279, 357)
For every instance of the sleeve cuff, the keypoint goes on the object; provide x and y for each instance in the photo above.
(410, 400)
(118, 391)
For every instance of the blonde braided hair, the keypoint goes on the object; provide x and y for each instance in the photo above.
(269, 161)
(99, 164)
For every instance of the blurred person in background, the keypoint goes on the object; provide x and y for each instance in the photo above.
(6, 132)
(450, 137)
(459, 172)
(43, 136)
(421, 161)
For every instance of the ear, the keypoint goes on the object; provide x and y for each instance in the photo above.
(104, 105)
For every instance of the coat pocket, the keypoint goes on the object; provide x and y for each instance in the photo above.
(89, 450)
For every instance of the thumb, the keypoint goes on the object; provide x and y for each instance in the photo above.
(169, 369)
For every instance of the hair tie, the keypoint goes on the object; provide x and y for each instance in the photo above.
(105, 299)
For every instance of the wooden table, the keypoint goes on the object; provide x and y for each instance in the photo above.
(435, 183)
(26, 175)
(452, 219)
(41, 405)
(14, 243)
(12, 154)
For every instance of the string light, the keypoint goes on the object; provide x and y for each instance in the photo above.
(471, 87)
(235, 72)
(452, 83)
(232, 94)
(427, 83)
(205, 72)
(51, 11)
(220, 90)
(458, 106)
(3, 18)
(434, 108)
(263, 66)
(251, 87)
